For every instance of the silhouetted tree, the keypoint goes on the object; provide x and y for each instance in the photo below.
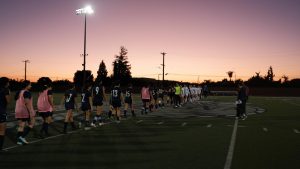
(78, 79)
(101, 73)
(270, 74)
(121, 67)
(285, 78)
(61, 85)
(230, 73)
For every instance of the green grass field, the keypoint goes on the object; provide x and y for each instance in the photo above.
(268, 140)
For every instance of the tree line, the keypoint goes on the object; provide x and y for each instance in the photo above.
(122, 73)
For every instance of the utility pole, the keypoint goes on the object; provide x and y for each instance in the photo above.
(163, 65)
(26, 61)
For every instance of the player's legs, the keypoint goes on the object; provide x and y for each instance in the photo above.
(2, 134)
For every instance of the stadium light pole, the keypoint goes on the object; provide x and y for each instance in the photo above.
(84, 11)
(163, 65)
(26, 61)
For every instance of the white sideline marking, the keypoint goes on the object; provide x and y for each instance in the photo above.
(183, 124)
(139, 121)
(265, 129)
(296, 131)
(231, 146)
(238, 125)
(159, 123)
(209, 126)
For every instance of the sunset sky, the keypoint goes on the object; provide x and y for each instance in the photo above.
(203, 39)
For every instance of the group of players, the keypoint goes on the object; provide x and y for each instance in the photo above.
(92, 98)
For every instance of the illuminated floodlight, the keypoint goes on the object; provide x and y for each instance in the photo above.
(86, 10)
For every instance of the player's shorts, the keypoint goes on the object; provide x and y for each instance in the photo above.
(3, 117)
(116, 104)
(24, 119)
(45, 114)
(97, 102)
(128, 101)
(85, 107)
(69, 106)
(146, 100)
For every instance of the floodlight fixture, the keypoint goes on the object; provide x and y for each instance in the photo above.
(86, 10)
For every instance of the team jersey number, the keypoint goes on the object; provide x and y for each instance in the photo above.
(128, 94)
(115, 93)
(69, 98)
(97, 90)
(83, 97)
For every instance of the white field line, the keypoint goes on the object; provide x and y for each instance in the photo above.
(265, 129)
(159, 123)
(231, 146)
(47, 138)
(139, 121)
(296, 131)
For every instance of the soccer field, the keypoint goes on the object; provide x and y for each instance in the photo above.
(198, 135)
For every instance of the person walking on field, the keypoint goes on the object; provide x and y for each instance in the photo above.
(146, 98)
(24, 112)
(98, 95)
(116, 99)
(241, 101)
(45, 107)
(70, 104)
(4, 100)
(128, 101)
(86, 106)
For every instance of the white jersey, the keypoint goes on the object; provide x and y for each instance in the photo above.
(186, 91)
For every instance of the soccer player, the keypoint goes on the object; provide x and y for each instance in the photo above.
(146, 97)
(45, 107)
(116, 99)
(177, 95)
(128, 101)
(4, 100)
(98, 95)
(154, 98)
(86, 105)
(24, 112)
(70, 104)
(161, 97)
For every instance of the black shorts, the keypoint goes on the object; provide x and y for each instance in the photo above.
(116, 104)
(85, 107)
(128, 101)
(69, 106)
(145, 100)
(3, 117)
(24, 119)
(97, 103)
(45, 114)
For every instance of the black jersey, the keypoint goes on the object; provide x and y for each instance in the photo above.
(116, 97)
(3, 102)
(70, 96)
(85, 97)
(128, 95)
(98, 92)
(154, 93)
(85, 103)
(98, 96)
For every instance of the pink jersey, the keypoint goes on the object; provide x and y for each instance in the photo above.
(21, 109)
(43, 103)
(145, 93)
